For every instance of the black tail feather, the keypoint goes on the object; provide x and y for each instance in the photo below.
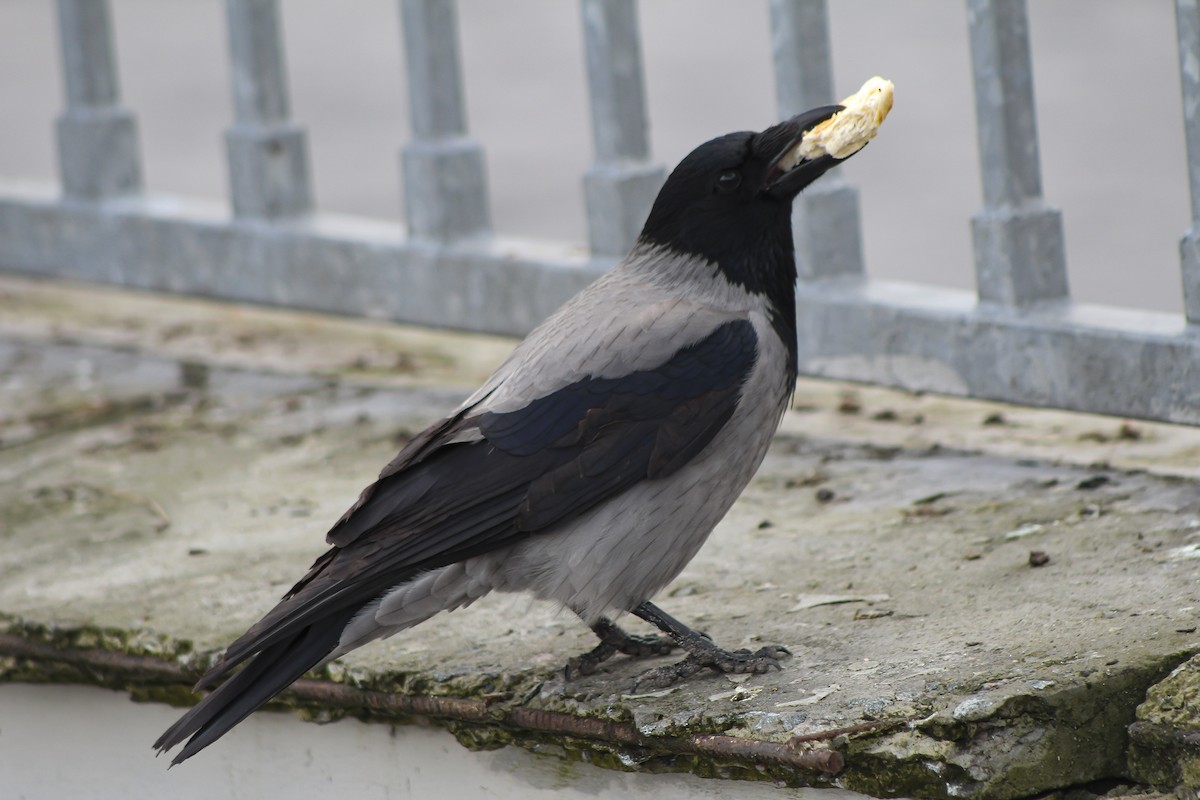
(266, 675)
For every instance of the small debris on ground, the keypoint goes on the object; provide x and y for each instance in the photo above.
(1024, 530)
(872, 613)
(925, 511)
(804, 601)
(1038, 558)
(1094, 482)
(1127, 432)
(814, 478)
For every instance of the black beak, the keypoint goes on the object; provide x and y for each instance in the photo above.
(779, 140)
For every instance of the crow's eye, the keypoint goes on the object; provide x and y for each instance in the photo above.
(728, 181)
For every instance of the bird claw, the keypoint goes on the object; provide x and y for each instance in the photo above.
(765, 659)
(613, 641)
(646, 646)
(662, 677)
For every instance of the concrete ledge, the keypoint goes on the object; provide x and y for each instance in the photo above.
(1062, 355)
(978, 598)
(318, 262)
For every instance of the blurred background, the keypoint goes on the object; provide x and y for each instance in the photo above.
(1106, 82)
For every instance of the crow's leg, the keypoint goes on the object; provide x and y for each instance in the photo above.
(614, 640)
(702, 653)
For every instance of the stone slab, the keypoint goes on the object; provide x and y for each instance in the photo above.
(977, 597)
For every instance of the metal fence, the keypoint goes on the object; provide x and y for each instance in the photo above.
(1019, 339)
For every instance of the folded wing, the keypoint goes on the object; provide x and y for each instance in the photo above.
(475, 482)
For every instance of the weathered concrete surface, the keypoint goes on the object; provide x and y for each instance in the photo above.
(167, 468)
(1165, 739)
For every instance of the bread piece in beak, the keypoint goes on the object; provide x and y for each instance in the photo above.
(849, 130)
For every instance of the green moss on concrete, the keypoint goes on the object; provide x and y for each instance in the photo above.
(1011, 743)
(1165, 741)
(144, 684)
(881, 775)
(92, 637)
(632, 758)
(480, 737)
(1175, 701)
(172, 694)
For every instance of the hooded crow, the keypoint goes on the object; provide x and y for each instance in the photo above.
(590, 468)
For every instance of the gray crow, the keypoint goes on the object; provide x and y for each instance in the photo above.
(590, 468)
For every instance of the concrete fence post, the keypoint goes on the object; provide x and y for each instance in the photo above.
(97, 139)
(1187, 27)
(267, 154)
(826, 221)
(445, 181)
(621, 185)
(1019, 254)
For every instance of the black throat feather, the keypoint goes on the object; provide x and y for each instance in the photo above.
(752, 249)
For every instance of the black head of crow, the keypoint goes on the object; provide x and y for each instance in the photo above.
(729, 201)
(590, 468)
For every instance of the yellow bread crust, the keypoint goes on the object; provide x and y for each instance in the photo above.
(849, 130)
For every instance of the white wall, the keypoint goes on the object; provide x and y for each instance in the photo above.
(69, 742)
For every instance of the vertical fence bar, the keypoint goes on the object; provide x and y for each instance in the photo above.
(97, 139)
(825, 219)
(267, 154)
(1019, 255)
(620, 187)
(445, 182)
(1187, 28)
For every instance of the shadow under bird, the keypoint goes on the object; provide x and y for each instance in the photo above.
(591, 467)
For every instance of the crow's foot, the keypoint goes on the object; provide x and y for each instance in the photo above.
(762, 660)
(614, 640)
(702, 653)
